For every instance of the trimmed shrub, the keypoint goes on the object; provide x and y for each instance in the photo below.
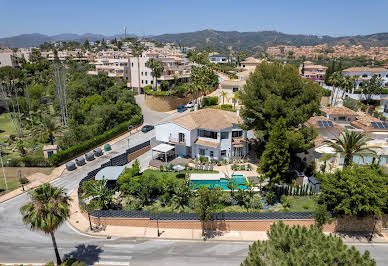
(227, 107)
(150, 91)
(209, 101)
(79, 148)
(35, 161)
(326, 92)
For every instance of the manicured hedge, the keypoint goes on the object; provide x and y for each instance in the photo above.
(326, 92)
(209, 101)
(79, 148)
(358, 91)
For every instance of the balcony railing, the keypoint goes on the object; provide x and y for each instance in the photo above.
(176, 140)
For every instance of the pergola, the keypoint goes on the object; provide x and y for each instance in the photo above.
(163, 148)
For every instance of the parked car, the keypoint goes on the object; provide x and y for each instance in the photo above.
(181, 108)
(147, 128)
(190, 104)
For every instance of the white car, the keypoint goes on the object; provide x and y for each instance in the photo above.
(190, 104)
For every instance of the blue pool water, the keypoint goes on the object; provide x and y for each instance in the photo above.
(240, 181)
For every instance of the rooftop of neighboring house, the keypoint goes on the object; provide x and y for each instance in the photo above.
(365, 69)
(364, 122)
(313, 121)
(310, 65)
(338, 110)
(219, 55)
(233, 82)
(208, 118)
(251, 60)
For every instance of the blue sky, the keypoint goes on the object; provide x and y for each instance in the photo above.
(324, 17)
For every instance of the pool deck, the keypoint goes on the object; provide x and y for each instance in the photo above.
(210, 176)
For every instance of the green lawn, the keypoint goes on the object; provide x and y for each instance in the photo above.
(180, 174)
(12, 174)
(6, 126)
(298, 204)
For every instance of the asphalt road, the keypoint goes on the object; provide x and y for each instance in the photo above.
(19, 245)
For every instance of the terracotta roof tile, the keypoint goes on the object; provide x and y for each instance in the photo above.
(365, 69)
(206, 143)
(338, 110)
(208, 119)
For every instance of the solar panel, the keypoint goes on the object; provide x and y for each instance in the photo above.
(379, 125)
(324, 123)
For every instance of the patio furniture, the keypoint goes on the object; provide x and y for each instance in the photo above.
(80, 161)
(211, 167)
(201, 167)
(70, 166)
(206, 167)
(97, 152)
(107, 147)
(196, 166)
(89, 156)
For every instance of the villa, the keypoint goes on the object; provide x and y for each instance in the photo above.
(211, 133)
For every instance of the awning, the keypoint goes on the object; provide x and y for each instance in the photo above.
(163, 148)
(110, 173)
(325, 149)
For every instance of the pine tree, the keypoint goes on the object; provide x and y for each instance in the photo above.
(275, 159)
(303, 246)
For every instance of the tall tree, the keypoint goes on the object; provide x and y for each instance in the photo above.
(223, 94)
(337, 81)
(47, 210)
(303, 246)
(206, 201)
(157, 69)
(355, 191)
(98, 193)
(274, 91)
(275, 160)
(351, 143)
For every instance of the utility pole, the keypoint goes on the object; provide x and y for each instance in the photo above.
(2, 166)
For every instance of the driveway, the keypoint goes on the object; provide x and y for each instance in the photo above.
(150, 117)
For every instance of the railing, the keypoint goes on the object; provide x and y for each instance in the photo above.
(176, 140)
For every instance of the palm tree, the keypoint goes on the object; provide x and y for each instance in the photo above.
(350, 143)
(182, 194)
(47, 210)
(98, 193)
(223, 94)
(137, 49)
(236, 98)
(336, 80)
(49, 127)
(232, 185)
(157, 68)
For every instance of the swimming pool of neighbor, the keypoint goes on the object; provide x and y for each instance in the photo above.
(219, 182)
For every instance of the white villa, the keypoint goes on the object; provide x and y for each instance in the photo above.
(212, 133)
(365, 73)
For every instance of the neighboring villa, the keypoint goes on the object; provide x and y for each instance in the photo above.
(333, 121)
(211, 133)
(313, 72)
(365, 73)
(231, 86)
(220, 59)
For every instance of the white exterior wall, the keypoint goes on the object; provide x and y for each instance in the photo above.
(165, 132)
(145, 72)
(6, 60)
(383, 75)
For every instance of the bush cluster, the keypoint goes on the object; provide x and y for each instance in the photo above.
(210, 100)
(79, 148)
(150, 91)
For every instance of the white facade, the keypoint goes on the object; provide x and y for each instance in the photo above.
(365, 73)
(214, 144)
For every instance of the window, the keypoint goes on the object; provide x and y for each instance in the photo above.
(152, 82)
(142, 81)
(207, 134)
(211, 154)
(132, 64)
(237, 134)
(224, 135)
(202, 152)
(341, 118)
(145, 73)
(364, 75)
(235, 89)
(142, 73)
(386, 76)
(181, 137)
(223, 152)
(146, 81)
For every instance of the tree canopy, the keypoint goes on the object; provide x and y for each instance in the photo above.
(274, 91)
(356, 191)
(303, 246)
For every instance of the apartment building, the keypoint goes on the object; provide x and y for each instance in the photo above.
(8, 56)
(76, 55)
(364, 73)
(211, 133)
(221, 59)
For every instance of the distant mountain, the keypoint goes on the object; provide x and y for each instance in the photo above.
(35, 39)
(259, 41)
(248, 41)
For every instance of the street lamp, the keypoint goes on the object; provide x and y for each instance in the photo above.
(2, 166)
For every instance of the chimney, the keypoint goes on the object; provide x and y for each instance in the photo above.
(238, 111)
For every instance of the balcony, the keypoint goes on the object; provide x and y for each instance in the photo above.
(176, 140)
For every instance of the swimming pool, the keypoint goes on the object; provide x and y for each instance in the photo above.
(223, 182)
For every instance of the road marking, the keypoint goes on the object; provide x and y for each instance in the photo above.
(119, 245)
(112, 263)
